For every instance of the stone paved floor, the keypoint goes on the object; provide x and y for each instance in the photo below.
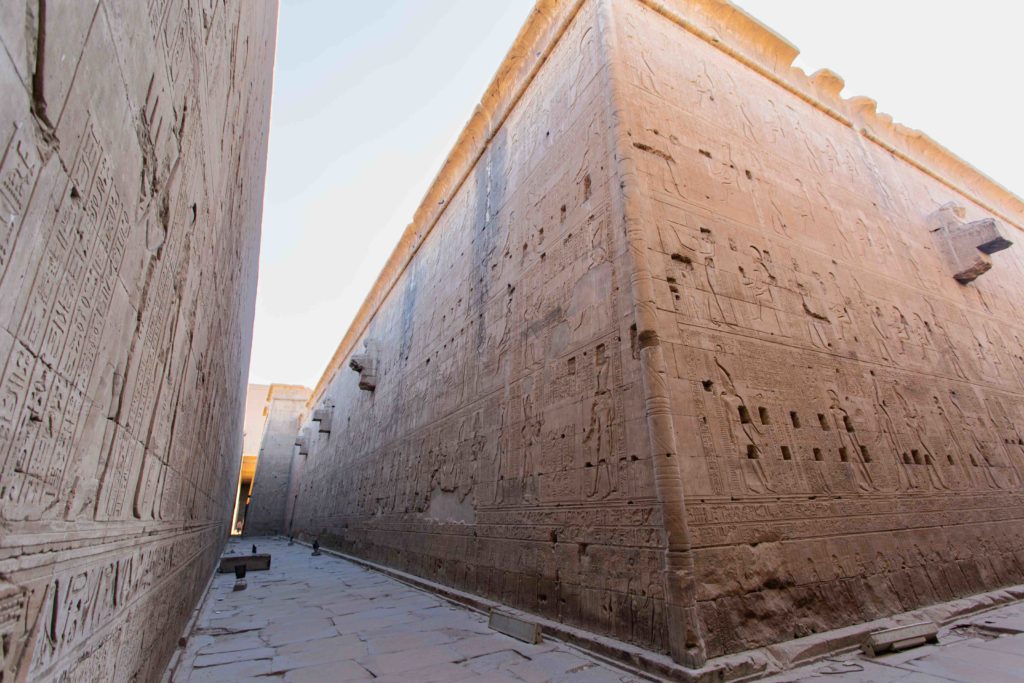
(987, 648)
(312, 619)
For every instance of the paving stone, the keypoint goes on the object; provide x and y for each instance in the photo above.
(399, 642)
(441, 673)
(307, 653)
(549, 666)
(409, 660)
(232, 656)
(394, 632)
(503, 660)
(368, 622)
(345, 670)
(961, 667)
(594, 674)
(481, 645)
(297, 631)
(230, 672)
(1010, 644)
(248, 641)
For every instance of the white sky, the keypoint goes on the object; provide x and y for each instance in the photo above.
(370, 96)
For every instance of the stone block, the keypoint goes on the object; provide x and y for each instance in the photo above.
(252, 563)
(900, 638)
(515, 625)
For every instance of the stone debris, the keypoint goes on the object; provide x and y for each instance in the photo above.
(900, 638)
(988, 647)
(513, 625)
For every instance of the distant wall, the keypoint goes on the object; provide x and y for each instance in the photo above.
(267, 509)
(257, 403)
(133, 140)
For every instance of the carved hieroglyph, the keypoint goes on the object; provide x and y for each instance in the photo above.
(672, 350)
(132, 150)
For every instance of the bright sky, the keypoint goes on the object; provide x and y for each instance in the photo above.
(370, 96)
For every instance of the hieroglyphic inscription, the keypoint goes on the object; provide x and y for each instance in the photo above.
(129, 205)
(854, 409)
(505, 380)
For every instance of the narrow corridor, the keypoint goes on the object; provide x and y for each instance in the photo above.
(312, 619)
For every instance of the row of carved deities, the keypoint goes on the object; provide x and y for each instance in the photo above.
(967, 246)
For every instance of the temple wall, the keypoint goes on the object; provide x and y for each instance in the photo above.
(133, 139)
(673, 350)
(849, 416)
(503, 449)
(273, 468)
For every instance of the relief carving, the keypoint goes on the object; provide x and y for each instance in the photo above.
(845, 419)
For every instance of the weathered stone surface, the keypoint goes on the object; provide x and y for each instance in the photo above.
(133, 142)
(270, 490)
(393, 632)
(670, 352)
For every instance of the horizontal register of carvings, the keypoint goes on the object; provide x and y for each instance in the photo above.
(684, 349)
(727, 28)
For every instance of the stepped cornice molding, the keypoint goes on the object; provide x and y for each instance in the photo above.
(727, 28)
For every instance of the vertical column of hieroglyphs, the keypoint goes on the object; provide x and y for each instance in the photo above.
(850, 416)
(497, 442)
(133, 144)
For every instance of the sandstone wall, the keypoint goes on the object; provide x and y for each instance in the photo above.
(849, 416)
(266, 514)
(503, 449)
(133, 140)
(673, 350)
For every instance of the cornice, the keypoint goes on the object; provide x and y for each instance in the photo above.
(543, 28)
(733, 31)
(723, 26)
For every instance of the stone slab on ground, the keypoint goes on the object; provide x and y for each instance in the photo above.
(310, 619)
(253, 563)
(985, 647)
